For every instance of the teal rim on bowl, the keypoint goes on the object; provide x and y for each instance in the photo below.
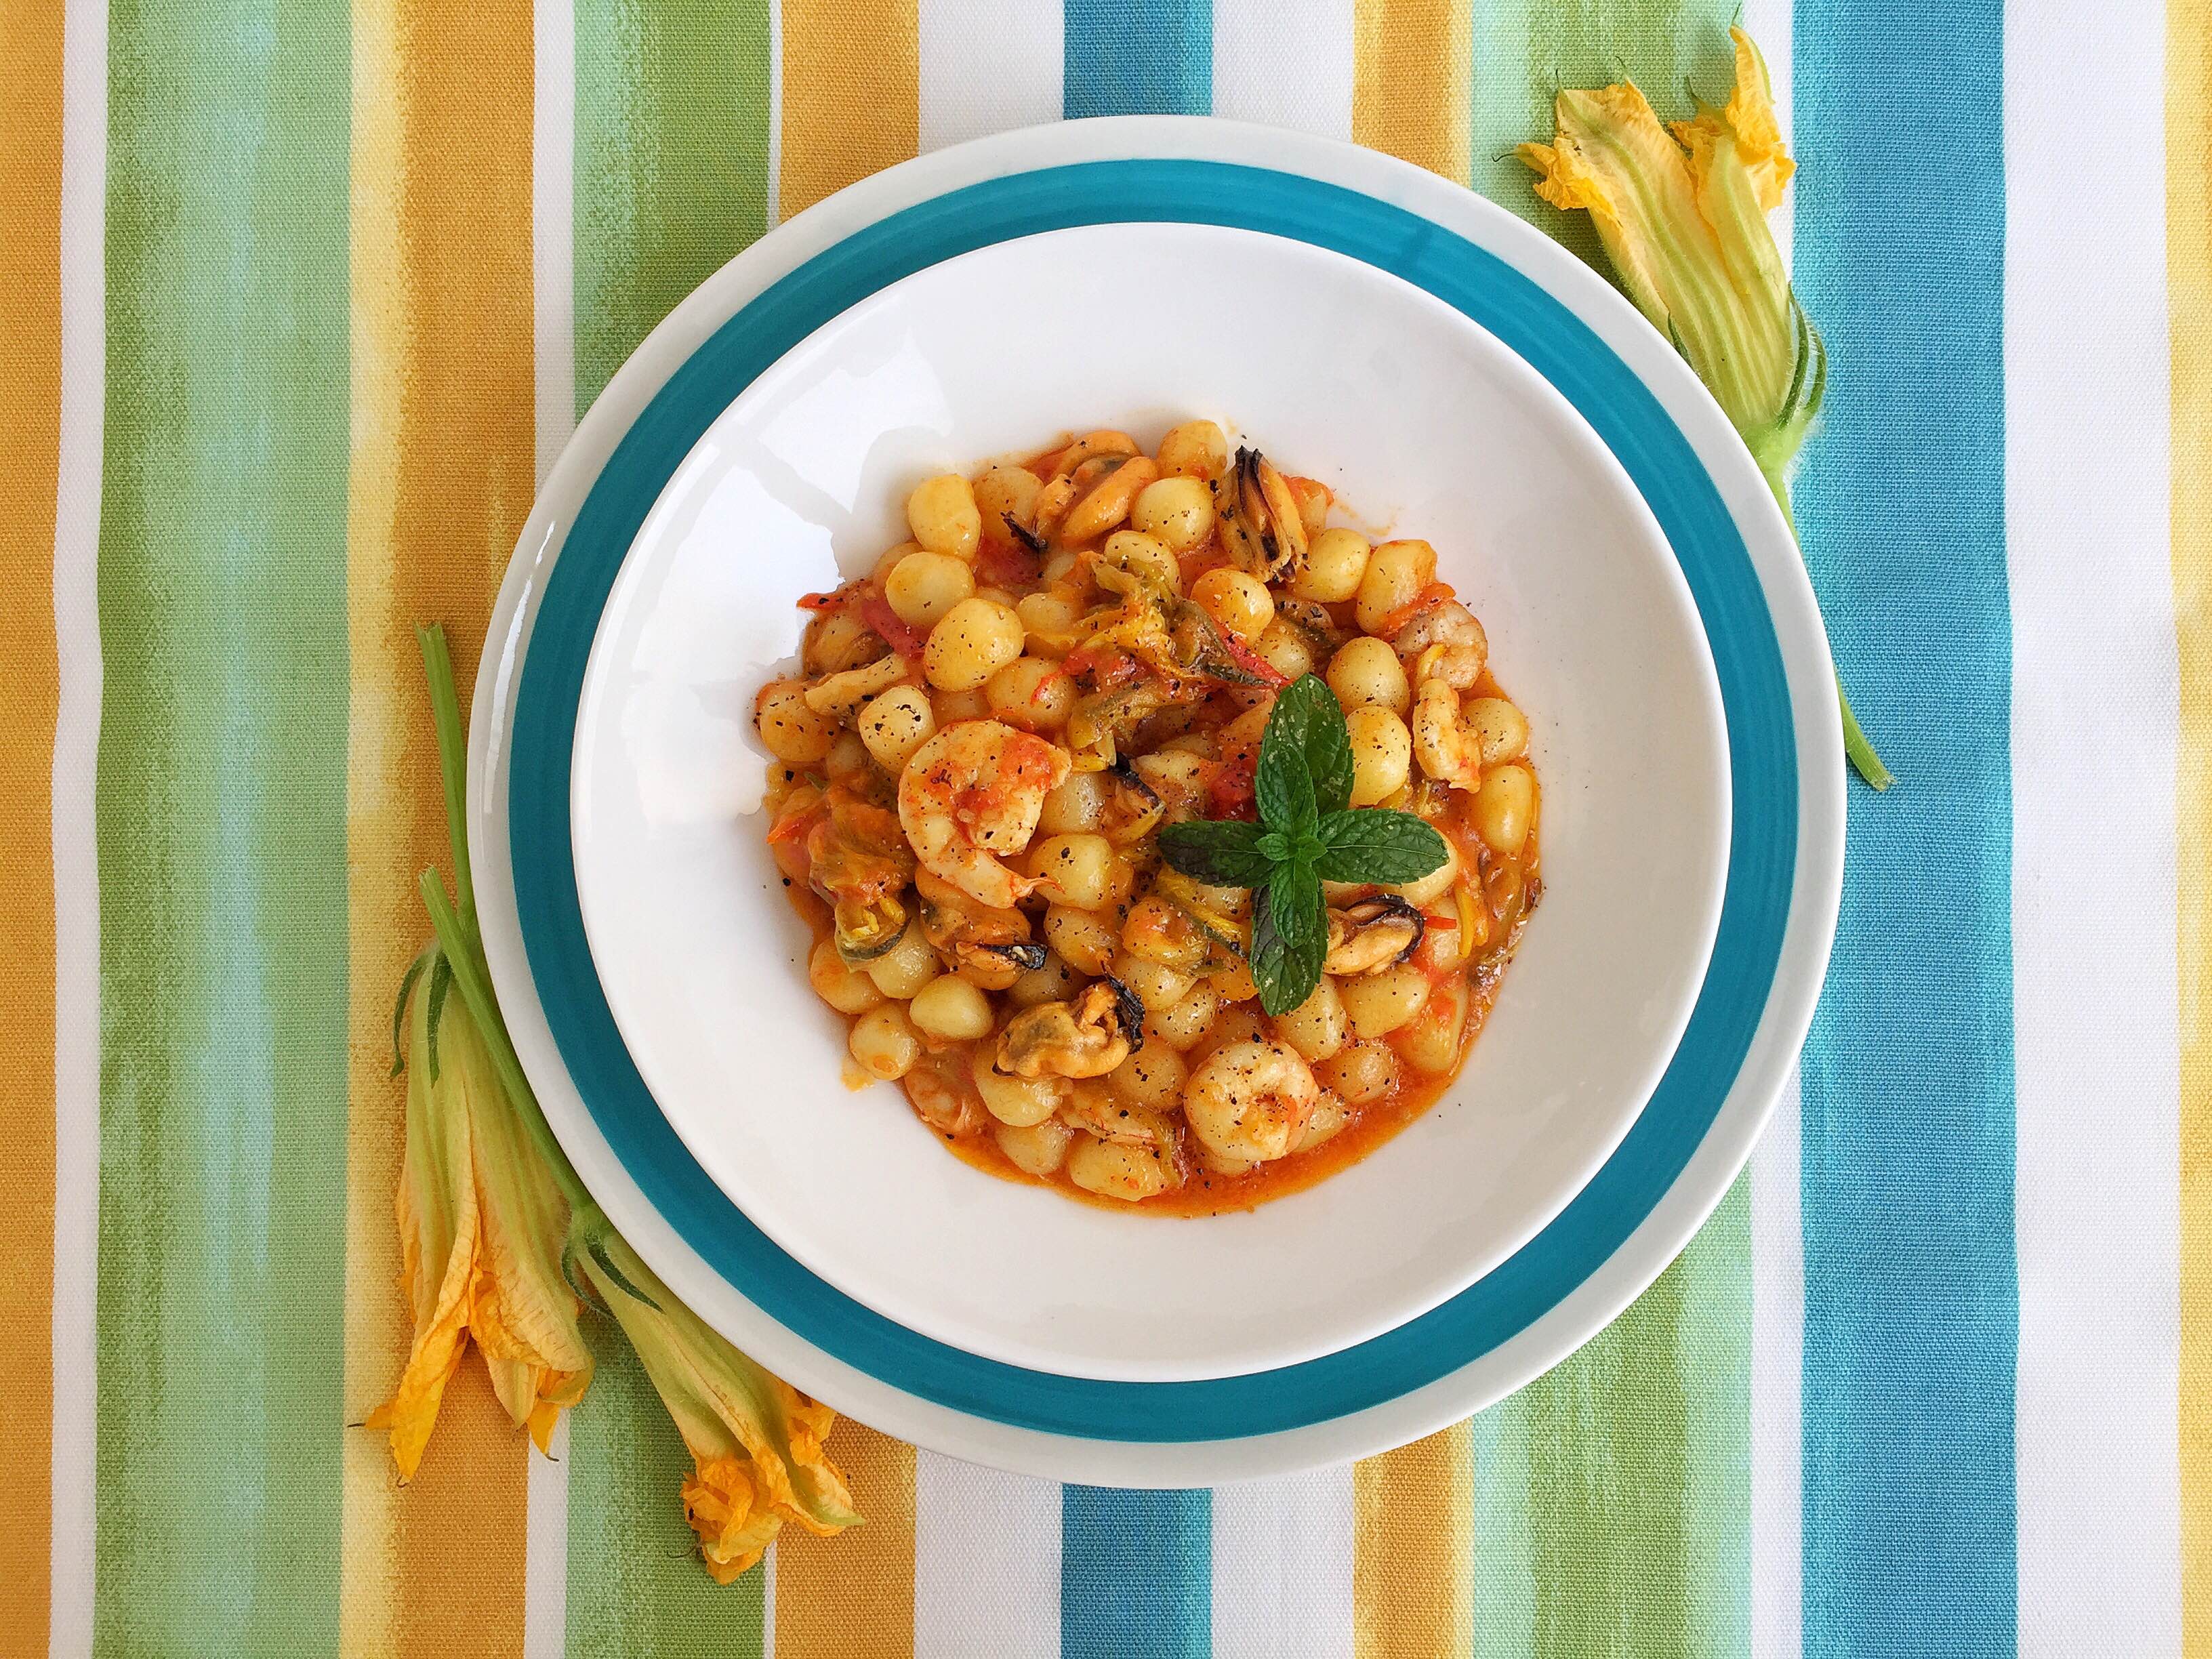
(1665, 471)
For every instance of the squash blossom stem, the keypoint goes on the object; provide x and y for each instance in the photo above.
(1681, 212)
(455, 923)
(1857, 748)
(453, 761)
(470, 980)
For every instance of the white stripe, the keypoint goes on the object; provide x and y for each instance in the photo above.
(77, 863)
(986, 66)
(1777, 1240)
(552, 168)
(772, 207)
(545, 1551)
(1282, 1565)
(767, 1571)
(1287, 65)
(986, 1562)
(1778, 1352)
(2094, 712)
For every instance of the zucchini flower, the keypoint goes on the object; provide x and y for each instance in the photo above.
(757, 1441)
(1681, 212)
(495, 1225)
(483, 1226)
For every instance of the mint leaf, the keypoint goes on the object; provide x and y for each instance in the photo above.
(1283, 788)
(1289, 937)
(1307, 726)
(1219, 851)
(1375, 844)
(1302, 783)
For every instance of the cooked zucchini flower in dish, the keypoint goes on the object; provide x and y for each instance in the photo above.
(1164, 842)
(1681, 211)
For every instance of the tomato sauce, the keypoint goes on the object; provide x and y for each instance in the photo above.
(1470, 932)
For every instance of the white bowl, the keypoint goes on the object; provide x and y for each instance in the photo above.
(1425, 425)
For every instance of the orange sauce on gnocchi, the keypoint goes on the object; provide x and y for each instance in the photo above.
(1074, 669)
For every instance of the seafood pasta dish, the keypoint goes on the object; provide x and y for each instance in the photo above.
(1163, 840)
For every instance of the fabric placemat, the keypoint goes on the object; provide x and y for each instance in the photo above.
(298, 299)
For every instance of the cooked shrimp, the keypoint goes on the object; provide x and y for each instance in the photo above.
(943, 1103)
(1449, 624)
(1250, 1101)
(1449, 749)
(969, 797)
(1090, 1107)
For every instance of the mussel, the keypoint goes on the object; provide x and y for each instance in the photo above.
(991, 948)
(1088, 1036)
(1369, 934)
(1258, 517)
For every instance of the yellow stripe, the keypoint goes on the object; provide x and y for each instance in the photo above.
(1414, 1549)
(441, 480)
(849, 94)
(852, 1596)
(2189, 310)
(30, 691)
(1412, 81)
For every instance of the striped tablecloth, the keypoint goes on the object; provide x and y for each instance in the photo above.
(297, 300)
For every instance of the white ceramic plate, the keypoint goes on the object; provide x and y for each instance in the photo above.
(1418, 417)
(1787, 796)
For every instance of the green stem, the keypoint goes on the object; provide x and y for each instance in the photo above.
(474, 983)
(460, 939)
(1857, 746)
(453, 762)
(1864, 761)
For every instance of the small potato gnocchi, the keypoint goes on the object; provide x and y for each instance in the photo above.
(985, 734)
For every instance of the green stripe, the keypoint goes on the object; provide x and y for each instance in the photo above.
(671, 145)
(1525, 50)
(1613, 1505)
(222, 827)
(670, 182)
(636, 1584)
(1612, 1497)
(1504, 1589)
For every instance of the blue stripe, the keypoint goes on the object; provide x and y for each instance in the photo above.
(1911, 1306)
(1137, 57)
(1136, 1574)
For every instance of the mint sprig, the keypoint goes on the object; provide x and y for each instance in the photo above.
(1308, 833)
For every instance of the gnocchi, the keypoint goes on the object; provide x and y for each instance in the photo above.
(985, 733)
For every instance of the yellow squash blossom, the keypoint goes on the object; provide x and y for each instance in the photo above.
(1683, 217)
(493, 1219)
(482, 1229)
(1681, 212)
(757, 1441)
